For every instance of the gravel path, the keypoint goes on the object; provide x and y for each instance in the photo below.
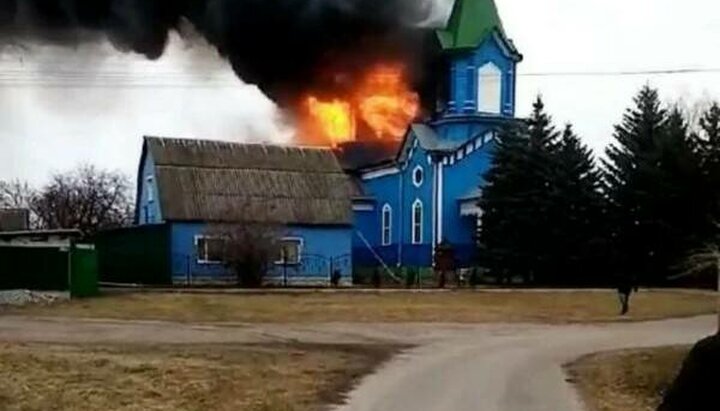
(490, 367)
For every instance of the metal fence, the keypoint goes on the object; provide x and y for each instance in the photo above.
(310, 270)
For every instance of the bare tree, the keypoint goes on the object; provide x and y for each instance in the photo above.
(248, 245)
(86, 198)
(246, 248)
(16, 194)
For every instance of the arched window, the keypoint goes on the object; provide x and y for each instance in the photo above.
(489, 89)
(386, 224)
(417, 222)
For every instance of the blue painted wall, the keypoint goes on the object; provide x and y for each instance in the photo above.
(460, 178)
(464, 77)
(417, 255)
(399, 191)
(321, 245)
(384, 190)
(148, 211)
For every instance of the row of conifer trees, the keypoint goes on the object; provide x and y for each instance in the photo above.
(556, 215)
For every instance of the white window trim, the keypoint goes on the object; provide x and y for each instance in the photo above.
(301, 245)
(416, 183)
(415, 226)
(197, 241)
(386, 224)
(489, 69)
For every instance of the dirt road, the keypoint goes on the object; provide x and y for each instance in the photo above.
(490, 367)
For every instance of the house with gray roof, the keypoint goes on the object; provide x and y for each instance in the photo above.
(302, 193)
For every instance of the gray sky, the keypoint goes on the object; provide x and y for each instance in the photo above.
(60, 108)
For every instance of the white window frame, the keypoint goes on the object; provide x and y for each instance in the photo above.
(417, 226)
(417, 183)
(204, 260)
(386, 225)
(301, 244)
(150, 187)
(489, 89)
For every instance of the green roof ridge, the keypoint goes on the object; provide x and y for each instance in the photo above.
(470, 24)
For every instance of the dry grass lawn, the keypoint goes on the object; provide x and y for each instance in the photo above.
(38, 377)
(627, 380)
(461, 307)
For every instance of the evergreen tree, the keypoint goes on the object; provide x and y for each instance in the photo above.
(540, 203)
(540, 172)
(652, 185)
(708, 147)
(576, 220)
(504, 205)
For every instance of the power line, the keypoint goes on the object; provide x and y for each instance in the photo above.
(621, 73)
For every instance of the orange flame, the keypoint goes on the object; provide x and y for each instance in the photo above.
(383, 101)
(386, 102)
(334, 119)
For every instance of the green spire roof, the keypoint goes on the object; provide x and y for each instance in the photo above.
(470, 23)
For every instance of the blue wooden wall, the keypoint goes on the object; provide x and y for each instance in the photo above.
(322, 246)
(149, 212)
(464, 78)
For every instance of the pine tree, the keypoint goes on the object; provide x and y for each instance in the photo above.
(541, 204)
(543, 143)
(504, 204)
(577, 211)
(652, 185)
(708, 146)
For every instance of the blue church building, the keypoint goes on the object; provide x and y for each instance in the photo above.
(358, 205)
(428, 191)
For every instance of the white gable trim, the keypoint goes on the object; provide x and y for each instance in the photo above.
(371, 175)
(363, 207)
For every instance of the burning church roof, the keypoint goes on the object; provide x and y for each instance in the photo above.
(225, 182)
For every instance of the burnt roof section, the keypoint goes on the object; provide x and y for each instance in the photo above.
(231, 182)
(14, 219)
(357, 155)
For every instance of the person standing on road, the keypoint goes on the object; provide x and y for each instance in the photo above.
(625, 290)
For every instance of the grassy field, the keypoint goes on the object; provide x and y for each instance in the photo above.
(627, 380)
(39, 377)
(461, 307)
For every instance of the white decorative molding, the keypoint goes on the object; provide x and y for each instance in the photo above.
(371, 175)
(363, 207)
(415, 181)
(417, 204)
(386, 224)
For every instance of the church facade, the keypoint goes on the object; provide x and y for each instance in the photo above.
(428, 193)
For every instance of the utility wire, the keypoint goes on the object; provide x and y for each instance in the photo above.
(621, 73)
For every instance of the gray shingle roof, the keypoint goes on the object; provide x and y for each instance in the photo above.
(229, 182)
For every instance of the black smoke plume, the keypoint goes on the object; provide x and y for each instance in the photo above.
(283, 46)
